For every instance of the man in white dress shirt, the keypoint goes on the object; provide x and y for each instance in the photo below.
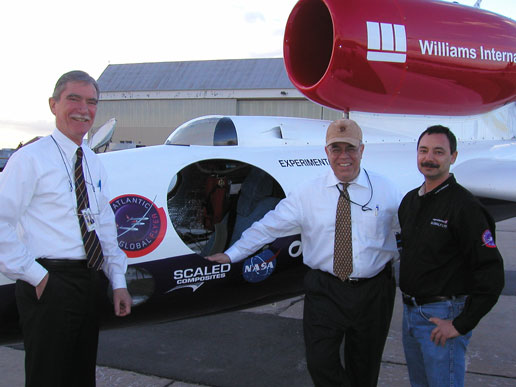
(359, 306)
(42, 246)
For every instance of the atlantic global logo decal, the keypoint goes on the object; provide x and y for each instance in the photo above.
(141, 226)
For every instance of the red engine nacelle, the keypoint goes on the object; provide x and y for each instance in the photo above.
(401, 56)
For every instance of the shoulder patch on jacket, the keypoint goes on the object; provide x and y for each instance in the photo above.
(488, 239)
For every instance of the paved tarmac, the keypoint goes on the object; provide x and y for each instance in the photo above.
(263, 346)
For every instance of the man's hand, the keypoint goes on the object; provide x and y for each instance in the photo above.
(444, 331)
(219, 257)
(122, 301)
(40, 288)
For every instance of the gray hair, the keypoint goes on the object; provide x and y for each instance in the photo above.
(73, 76)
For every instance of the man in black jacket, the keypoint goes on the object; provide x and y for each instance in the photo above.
(451, 272)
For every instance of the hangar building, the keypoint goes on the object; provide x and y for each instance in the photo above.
(150, 100)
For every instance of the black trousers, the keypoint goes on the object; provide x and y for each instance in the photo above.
(360, 314)
(60, 330)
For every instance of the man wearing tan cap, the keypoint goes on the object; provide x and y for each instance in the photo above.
(347, 219)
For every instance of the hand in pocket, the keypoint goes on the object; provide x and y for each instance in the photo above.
(40, 288)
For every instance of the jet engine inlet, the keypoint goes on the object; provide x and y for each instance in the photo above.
(309, 44)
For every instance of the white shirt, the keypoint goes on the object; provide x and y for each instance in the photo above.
(311, 211)
(38, 210)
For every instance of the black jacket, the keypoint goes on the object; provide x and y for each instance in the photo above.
(449, 249)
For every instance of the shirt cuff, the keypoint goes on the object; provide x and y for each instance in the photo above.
(233, 254)
(34, 274)
(118, 281)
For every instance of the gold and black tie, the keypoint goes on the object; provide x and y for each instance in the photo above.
(92, 246)
(343, 253)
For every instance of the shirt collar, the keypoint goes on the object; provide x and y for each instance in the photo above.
(437, 190)
(67, 146)
(360, 180)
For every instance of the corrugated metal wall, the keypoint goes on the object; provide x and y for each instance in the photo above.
(286, 108)
(150, 122)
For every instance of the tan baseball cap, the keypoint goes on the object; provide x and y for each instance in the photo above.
(344, 130)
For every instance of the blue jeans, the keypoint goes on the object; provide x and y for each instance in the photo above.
(430, 364)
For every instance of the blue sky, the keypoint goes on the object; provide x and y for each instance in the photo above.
(43, 39)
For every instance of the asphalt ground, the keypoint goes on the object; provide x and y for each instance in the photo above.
(263, 346)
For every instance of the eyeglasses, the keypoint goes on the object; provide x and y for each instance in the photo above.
(337, 150)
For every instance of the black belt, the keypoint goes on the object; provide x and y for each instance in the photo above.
(418, 301)
(62, 263)
(355, 281)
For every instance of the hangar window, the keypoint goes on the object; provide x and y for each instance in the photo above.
(211, 202)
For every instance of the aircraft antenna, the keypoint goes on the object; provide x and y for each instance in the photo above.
(477, 3)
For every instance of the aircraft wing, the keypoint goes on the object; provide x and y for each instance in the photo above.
(488, 178)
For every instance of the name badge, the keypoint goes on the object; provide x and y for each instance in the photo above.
(88, 219)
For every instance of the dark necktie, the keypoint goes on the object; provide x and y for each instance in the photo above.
(92, 246)
(343, 253)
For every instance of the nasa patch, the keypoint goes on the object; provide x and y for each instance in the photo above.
(141, 226)
(259, 267)
(488, 239)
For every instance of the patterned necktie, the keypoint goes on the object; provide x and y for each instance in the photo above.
(343, 254)
(92, 246)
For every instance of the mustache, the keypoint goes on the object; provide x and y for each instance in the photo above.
(428, 164)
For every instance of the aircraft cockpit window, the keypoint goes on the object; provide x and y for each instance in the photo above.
(216, 200)
(225, 132)
(205, 131)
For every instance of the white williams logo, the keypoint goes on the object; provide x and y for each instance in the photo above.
(386, 42)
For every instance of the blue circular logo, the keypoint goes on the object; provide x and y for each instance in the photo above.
(259, 267)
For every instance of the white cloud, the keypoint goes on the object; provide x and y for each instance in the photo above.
(14, 132)
(253, 17)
